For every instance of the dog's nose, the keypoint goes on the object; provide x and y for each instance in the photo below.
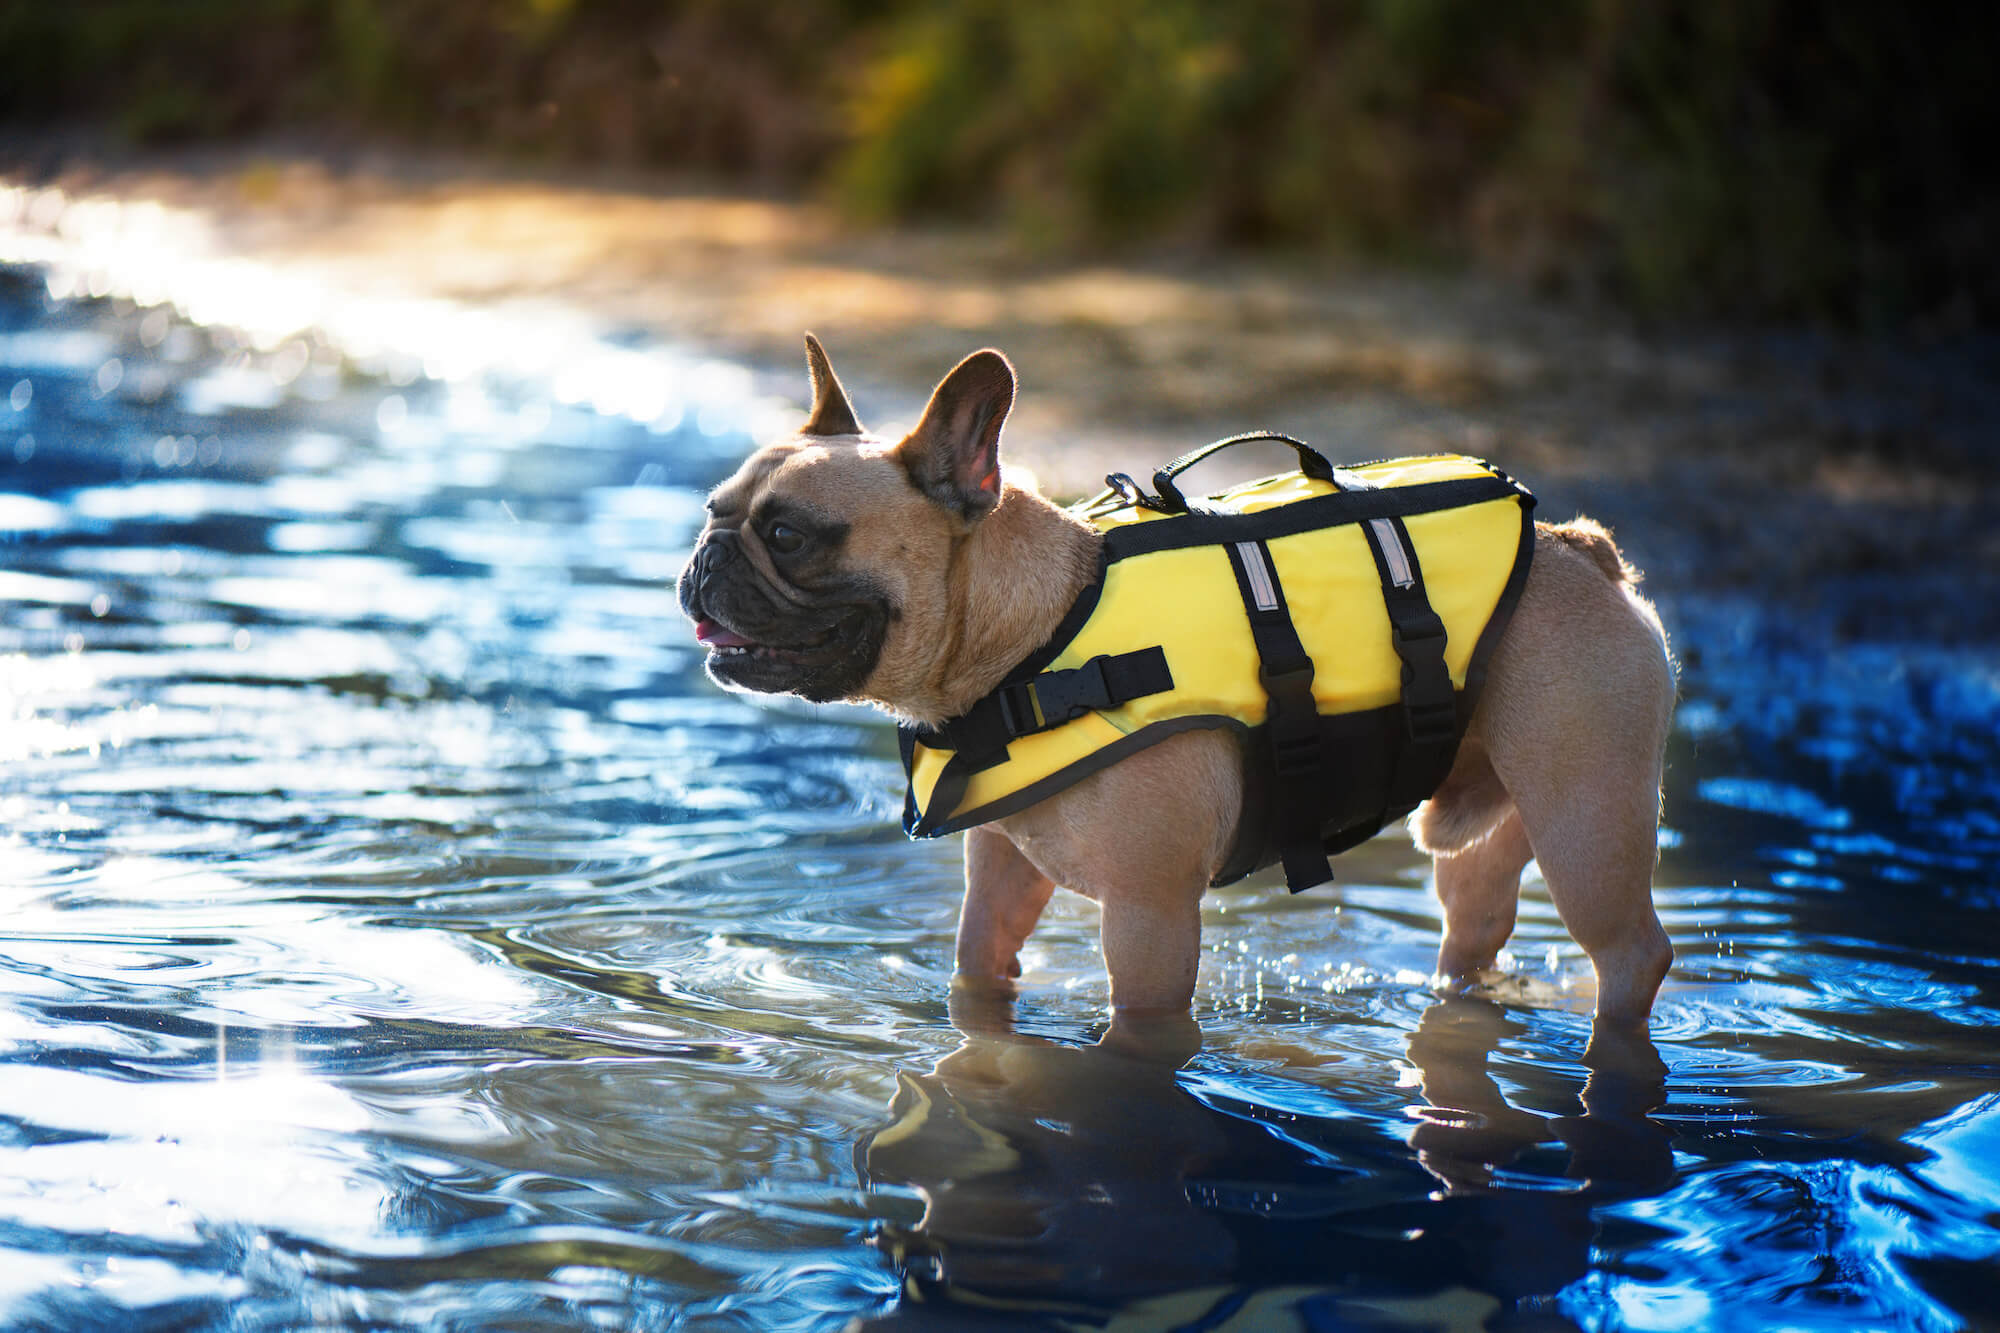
(708, 557)
(711, 556)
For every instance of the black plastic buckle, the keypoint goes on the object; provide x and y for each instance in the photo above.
(1291, 686)
(1431, 723)
(1055, 697)
(1430, 709)
(1419, 628)
(1292, 718)
(1017, 709)
(1296, 757)
(1067, 695)
(1132, 493)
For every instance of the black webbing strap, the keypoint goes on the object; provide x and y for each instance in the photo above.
(1044, 701)
(1430, 706)
(906, 747)
(1298, 759)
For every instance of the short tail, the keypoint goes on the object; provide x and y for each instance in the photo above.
(1594, 540)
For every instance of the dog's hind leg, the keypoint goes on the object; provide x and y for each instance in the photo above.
(1471, 829)
(1479, 889)
(1596, 843)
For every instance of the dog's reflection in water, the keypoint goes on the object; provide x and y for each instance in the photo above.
(1468, 1129)
(1110, 1186)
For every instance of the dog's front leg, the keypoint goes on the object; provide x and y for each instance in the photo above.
(1151, 935)
(1004, 898)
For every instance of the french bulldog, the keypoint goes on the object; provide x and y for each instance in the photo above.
(913, 575)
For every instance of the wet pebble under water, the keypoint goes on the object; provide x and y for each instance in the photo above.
(396, 929)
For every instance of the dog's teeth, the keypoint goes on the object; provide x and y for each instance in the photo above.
(758, 650)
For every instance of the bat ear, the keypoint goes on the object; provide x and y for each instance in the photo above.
(832, 414)
(953, 455)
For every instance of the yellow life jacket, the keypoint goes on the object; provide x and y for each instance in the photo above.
(1339, 619)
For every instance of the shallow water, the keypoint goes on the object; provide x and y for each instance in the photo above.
(396, 929)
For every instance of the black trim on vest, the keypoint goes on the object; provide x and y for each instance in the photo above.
(906, 746)
(1503, 610)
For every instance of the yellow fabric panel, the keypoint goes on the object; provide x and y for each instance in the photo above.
(1423, 469)
(1473, 549)
(926, 767)
(1215, 670)
(1335, 597)
(1029, 758)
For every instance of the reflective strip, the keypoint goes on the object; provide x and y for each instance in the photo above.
(1393, 551)
(1262, 590)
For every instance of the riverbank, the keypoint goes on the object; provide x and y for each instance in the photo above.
(1772, 461)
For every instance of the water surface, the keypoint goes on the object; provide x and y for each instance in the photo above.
(397, 930)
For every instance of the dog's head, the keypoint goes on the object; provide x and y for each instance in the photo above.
(825, 567)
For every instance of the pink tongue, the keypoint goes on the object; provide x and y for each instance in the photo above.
(711, 635)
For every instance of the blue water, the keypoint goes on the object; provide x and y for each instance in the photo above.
(396, 930)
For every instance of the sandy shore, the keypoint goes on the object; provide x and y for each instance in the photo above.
(1803, 452)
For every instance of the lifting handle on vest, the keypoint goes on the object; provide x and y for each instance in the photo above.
(1311, 462)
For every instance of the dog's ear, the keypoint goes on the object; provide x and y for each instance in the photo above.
(832, 414)
(953, 455)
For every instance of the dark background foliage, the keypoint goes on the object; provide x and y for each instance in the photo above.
(1816, 159)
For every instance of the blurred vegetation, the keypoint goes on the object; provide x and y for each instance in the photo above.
(1766, 158)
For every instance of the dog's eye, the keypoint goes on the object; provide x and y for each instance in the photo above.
(784, 538)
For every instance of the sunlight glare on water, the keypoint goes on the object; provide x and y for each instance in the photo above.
(396, 929)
